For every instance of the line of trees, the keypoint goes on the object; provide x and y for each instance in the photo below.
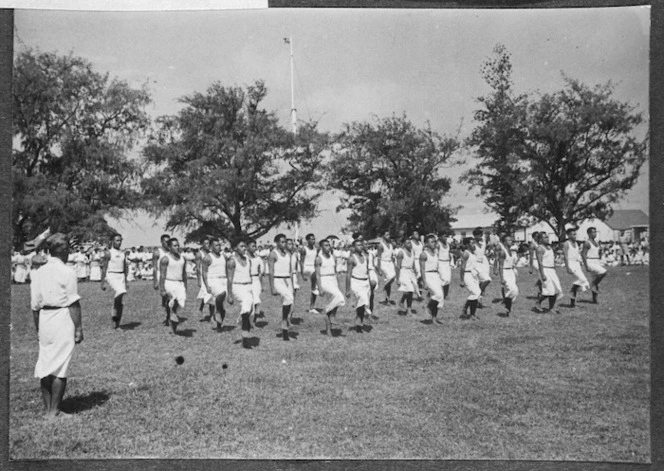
(225, 165)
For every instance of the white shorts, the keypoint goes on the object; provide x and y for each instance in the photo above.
(308, 270)
(330, 290)
(483, 271)
(218, 286)
(388, 270)
(551, 287)
(203, 294)
(284, 286)
(296, 284)
(361, 290)
(407, 281)
(511, 289)
(445, 272)
(177, 292)
(257, 288)
(580, 279)
(595, 267)
(244, 293)
(373, 277)
(117, 282)
(435, 286)
(472, 283)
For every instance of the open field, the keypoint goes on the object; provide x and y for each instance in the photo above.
(568, 386)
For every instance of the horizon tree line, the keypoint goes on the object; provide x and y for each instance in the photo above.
(224, 165)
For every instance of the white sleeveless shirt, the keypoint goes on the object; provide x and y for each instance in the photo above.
(282, 266)
(510, 258)
(327, 265)
(388, 252)
(360, 270)
(116, 261)
(309, 256)
(548, 259)
(573, 253)
(174, 268)
(431, 263)
(593, 251)
(217, 269)
(471, 263)
(256, 262)
(242, 274)
(443, 252)
(408, 260)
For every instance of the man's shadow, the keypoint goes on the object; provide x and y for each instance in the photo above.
(130, 325)
(80, 403)
(335, 332)
(185, 332)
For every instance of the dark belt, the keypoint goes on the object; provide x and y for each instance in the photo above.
(118, 272)
(285, 277)
(168, 279)
(548, 267)
(52, 308)
(243, 283)
(328, 274)
(592, 258)
(431, 271)
(361, 279)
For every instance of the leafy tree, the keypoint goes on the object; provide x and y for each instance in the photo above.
(498, 143)
(73, 128)
(567, 155)
(224, 166)
(389, 173)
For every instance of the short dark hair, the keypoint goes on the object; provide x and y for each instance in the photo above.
(478, 231)
(209, 239)
(356, 235)
(467, 240)
(214, 239)
(428, 237)
(278, 237)
(165, 236)
(320, 242)
(250, 240)
(171, 240)
(570, 230)
(310, 236)
(590, 229)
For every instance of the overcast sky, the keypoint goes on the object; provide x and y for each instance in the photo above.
(353, 64)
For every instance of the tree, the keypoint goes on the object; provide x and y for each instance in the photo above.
(390, 175)
(73, 129)
(569, 155)
(497, 142)
(223, 166)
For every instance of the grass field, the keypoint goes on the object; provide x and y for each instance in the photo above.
(568, 386)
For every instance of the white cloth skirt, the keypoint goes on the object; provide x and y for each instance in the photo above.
(330, 290)
(56, 343)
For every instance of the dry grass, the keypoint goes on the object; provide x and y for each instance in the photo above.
(569, 386)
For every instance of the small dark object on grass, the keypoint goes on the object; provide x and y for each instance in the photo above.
(224, 366)
(179, 360)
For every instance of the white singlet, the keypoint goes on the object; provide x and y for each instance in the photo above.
(116, 262)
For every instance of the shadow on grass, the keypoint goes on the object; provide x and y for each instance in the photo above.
(261, 324)
(253, 342)
(534, 298)
(585, 301)
(205, 319)
(185, 332)
(291, 335)
(496, 300)
(80, 403)
(426, 321)
(130, 325)
(296, 320)
(227, 328)
(335, 333)
(503, 314)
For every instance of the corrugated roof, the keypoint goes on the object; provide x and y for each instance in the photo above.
(626, 218)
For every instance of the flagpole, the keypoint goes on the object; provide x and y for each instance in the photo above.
(289, 40)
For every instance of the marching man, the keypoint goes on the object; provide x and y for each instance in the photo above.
(281, 280)
(506, 267)
(428, 263)
(308, 254)
(203, 293)
(470, 278)
(114, 268)
(326, 274)
(573, 260)
(547, 269)
(385, 265)
(591, 259)
(214, 279)
(240, 287)
(357, 282)
(173, 282)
